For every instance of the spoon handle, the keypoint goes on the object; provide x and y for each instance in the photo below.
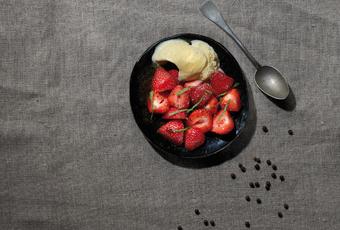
(210, 11)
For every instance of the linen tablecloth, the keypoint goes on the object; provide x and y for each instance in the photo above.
(72, 157)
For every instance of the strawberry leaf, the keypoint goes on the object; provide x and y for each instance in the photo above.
(183, 91)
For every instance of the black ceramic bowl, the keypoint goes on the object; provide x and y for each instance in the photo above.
(140, 86)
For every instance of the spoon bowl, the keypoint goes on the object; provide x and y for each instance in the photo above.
(271, 82)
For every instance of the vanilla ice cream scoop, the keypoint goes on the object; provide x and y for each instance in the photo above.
(195, 61)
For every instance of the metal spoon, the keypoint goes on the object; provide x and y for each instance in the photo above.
(268, 79)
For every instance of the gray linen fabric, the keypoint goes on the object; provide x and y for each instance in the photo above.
(72, 157)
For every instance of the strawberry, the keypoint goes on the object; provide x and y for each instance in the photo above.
(173, 131)
(179, 97)
(193, 138)
(174, 113)
(201, 94)
(212, 105)
(191, 84)
(162, 80)
(174, 73)
(220, 82)
(157, 103)
(233, 96)
(200, 119)
(223, 122)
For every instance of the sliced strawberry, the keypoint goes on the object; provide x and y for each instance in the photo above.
(234, 99)
(173, 131)
(223, 123)
(174, 113)
(163, 80)
(220, 82)
(191, 84)
(179, 97)
(174, 73)
(159, 103)
(212, 105)
(193, 139)
(200, 119)
(201, 94)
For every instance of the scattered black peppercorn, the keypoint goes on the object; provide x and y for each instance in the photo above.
(197, 212)
(251, 184)
(258, 200)
(233, 176)
(280, 214)
(257, 184)
(206, 223)
(282, 178)
(274, 175)
(267, 187)
(257, 167)
(290, 132)
(212, 223)
(265, 129)
(269, 162)
(243, 169)
(258, 160)
(286, 206)
(248, 198)
(240, 165)
(179, 228)
(247, 224)
(274, 167)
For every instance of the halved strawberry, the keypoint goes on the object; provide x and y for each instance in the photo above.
(173, 131)
(174, 113)
(191, 84)
(163, 80)
(212, 105)
(200, 119)
(234, 99)
(159, 103)
(201, 94)
(223, 123)
(193, 139)
(220, 82)
(179, 97)
(174, 73)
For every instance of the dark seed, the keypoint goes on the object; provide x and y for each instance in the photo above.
(205, 222)
(265, 129)
(290, 132)
(258, 200)
(257, 184)
(286, 206)
(257, 167)
(267, 188)
(269, 162)
(179, 228)
(274, 175)
(268, 183)
(280, 214)
(258, 160)
(251, 184)
(274, 167)
(248, 198)
(197, 212)
(247, 224)
(282, 178)
(243, 169)
(240, 165)
(233, 176)
(212, 223)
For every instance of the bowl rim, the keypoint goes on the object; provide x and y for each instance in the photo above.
(247, 88)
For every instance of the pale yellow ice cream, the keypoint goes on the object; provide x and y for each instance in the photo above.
(195, 61)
